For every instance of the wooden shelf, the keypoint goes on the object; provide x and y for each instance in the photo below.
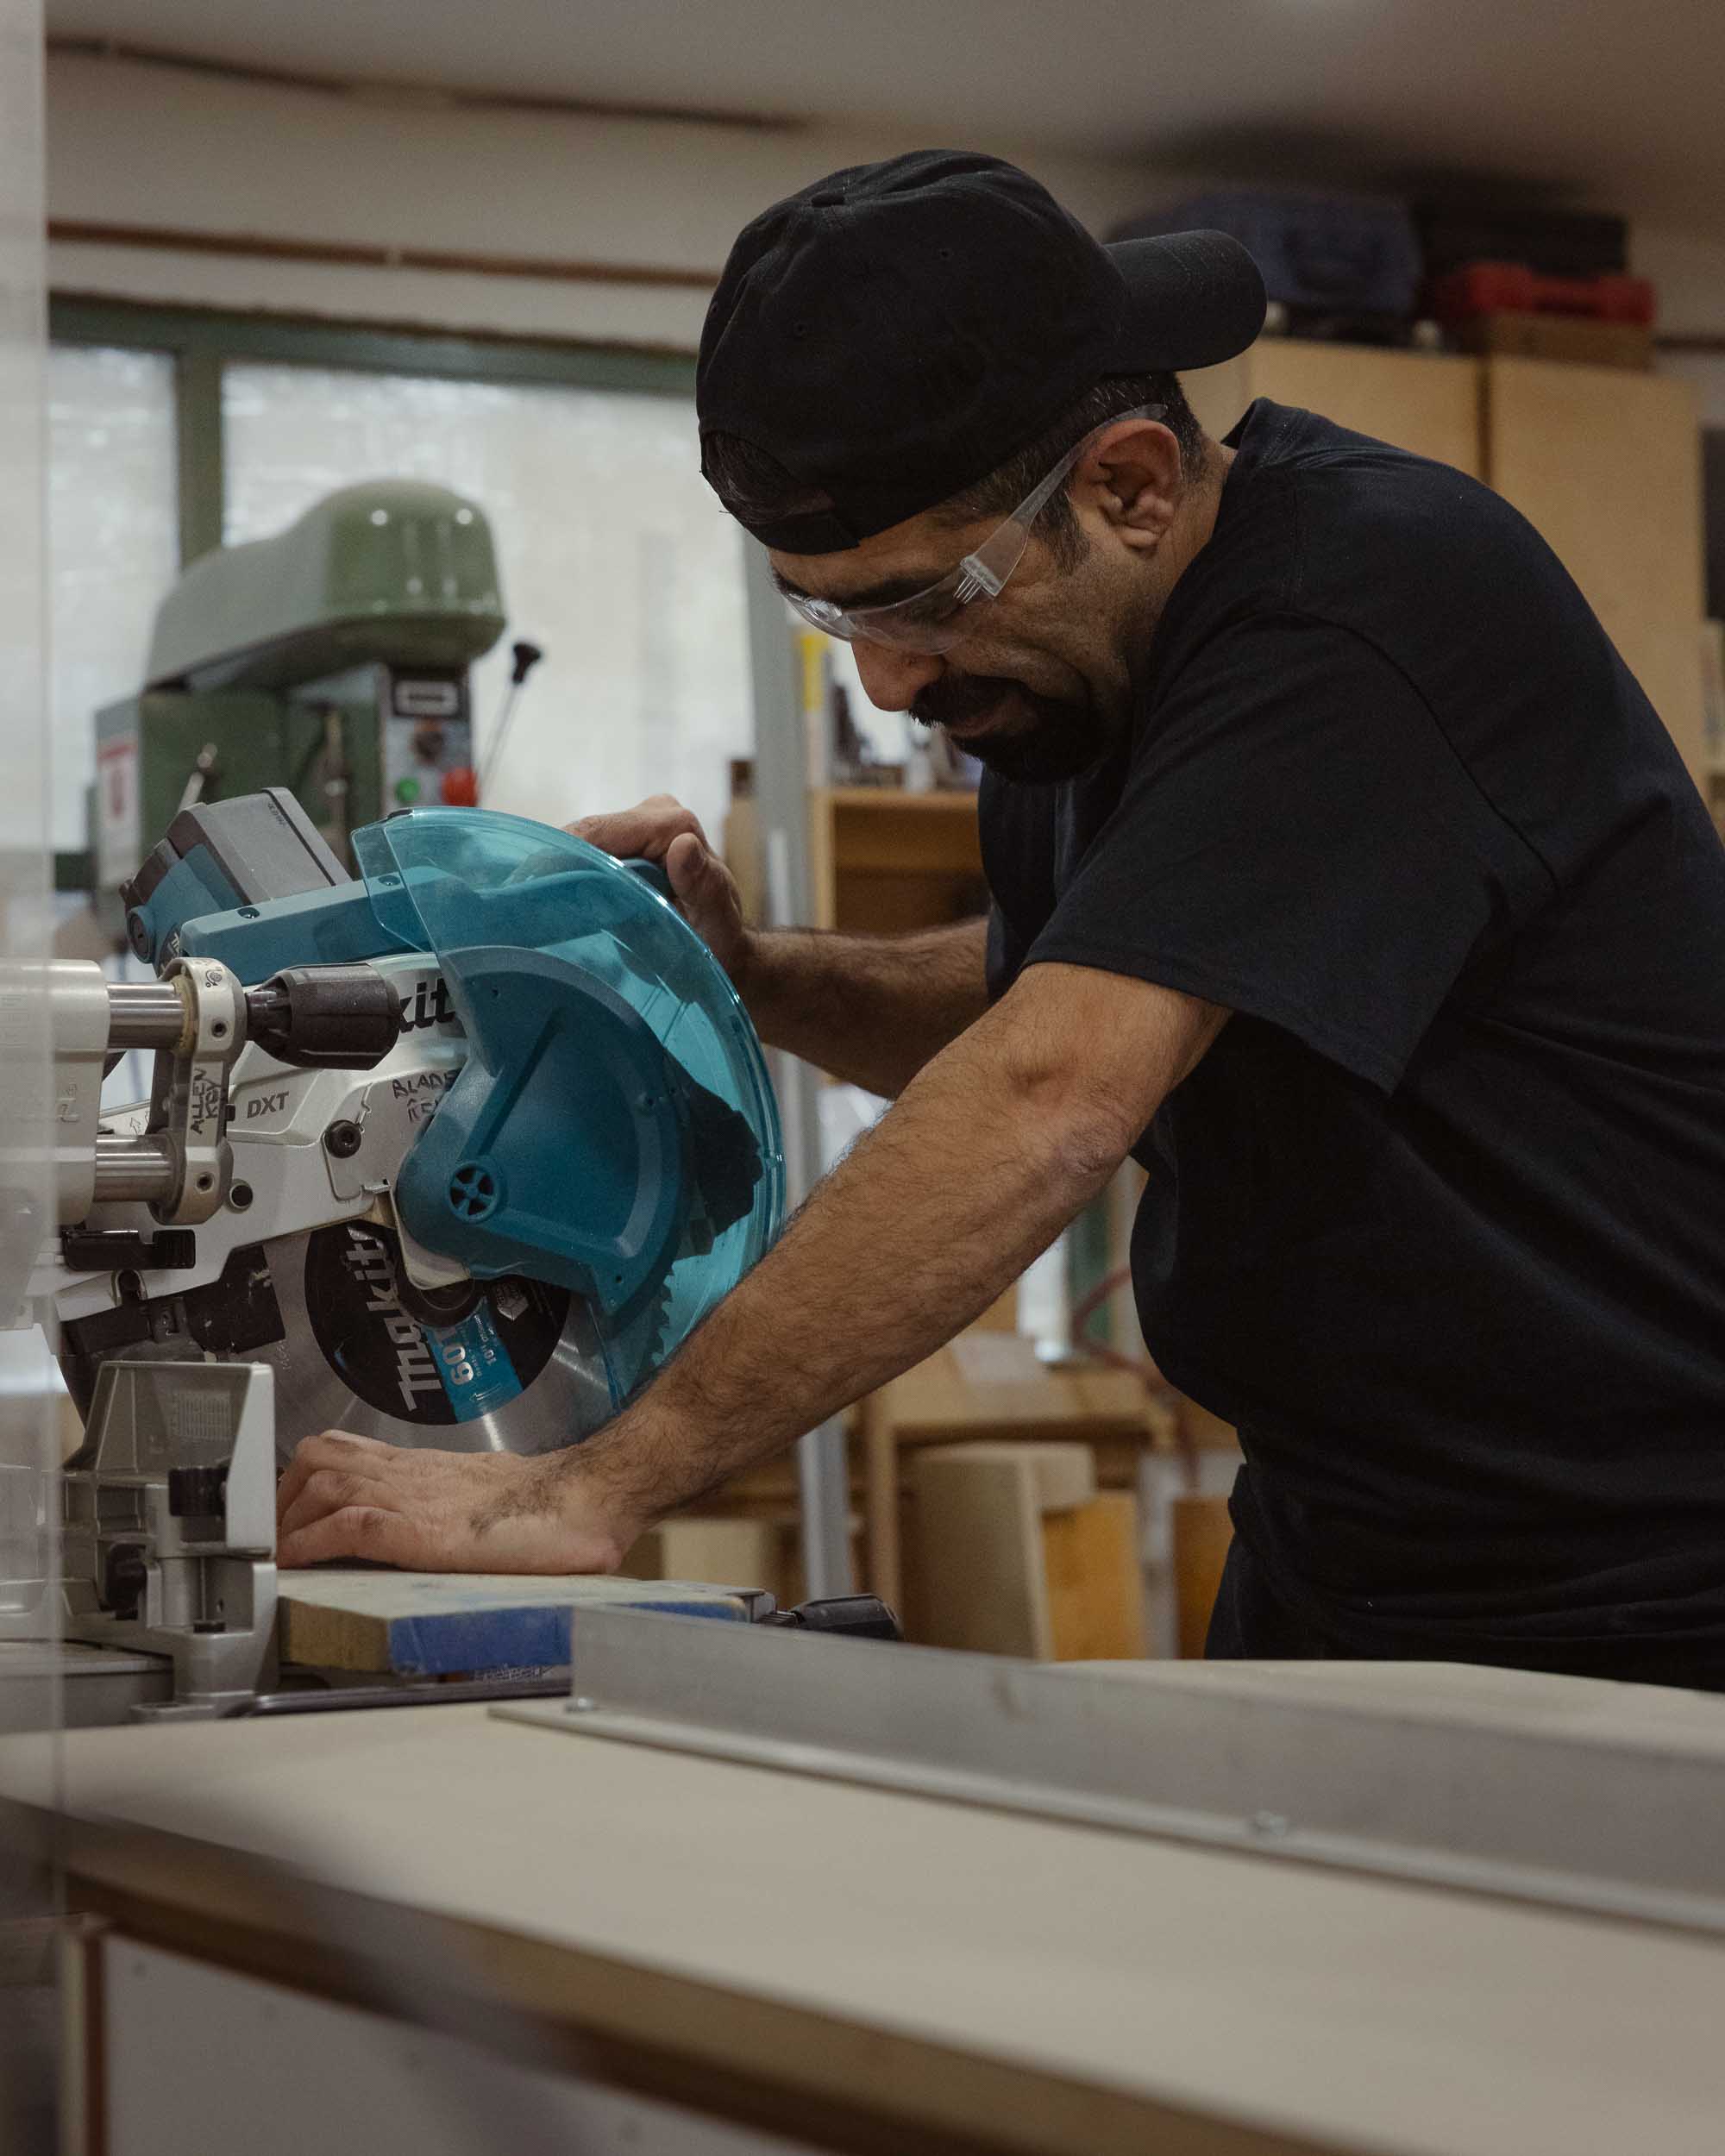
(884, 860)
(1630, 534)
(881, 860)
(952, 800)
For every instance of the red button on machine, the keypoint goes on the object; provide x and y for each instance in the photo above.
(461, 787)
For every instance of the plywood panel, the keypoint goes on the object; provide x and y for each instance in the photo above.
(1017, 1553)
(1666, 659)
(1002, 1385)
(987, 1384)
(1040, 1986)
(1607, 466)
(881, 861)
(1425, 402)
(1095, 1584)
(884, 861)
(721, 1553)
(982, 1582)
(742, 856)
(1204, 1532)
(896, 902)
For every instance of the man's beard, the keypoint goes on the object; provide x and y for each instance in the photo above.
(1043, 739)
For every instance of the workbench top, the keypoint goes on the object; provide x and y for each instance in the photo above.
(1013, 1982)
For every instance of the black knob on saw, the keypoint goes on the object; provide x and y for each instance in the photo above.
(325, 1018)
(197, 1493)
(125, 1574)
(850, 1616)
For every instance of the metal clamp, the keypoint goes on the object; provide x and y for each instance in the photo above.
(189, 1106)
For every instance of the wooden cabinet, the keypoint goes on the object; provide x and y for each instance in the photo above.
(1017, 1552)
(1423, 401)
(881, 861)
(989, 1385)
(1606, 464)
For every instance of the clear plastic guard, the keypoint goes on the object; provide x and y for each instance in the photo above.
(475, 878)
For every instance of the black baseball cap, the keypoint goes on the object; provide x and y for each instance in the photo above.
(893, 333)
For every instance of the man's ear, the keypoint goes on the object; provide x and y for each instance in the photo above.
(1132, 474)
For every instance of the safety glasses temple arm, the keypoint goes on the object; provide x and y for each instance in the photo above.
(993, 561)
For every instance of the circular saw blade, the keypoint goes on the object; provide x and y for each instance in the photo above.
(525, 1371)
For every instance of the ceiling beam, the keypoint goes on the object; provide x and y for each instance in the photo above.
(417, 93)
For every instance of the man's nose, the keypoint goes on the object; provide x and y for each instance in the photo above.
(892, 679)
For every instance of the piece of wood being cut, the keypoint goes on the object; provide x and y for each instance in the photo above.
(446, 1624)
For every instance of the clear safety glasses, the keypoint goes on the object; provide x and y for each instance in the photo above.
(941, 615)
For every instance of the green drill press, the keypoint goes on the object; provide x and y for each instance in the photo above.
(331, 660)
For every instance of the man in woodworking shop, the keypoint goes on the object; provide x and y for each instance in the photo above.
(1342, 876)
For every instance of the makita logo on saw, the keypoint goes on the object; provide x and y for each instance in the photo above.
(370, 1264)
(430, 1005)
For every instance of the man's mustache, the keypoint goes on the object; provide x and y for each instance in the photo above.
(955, 697)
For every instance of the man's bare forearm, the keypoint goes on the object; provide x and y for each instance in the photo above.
(923, 1223)
(988, 1152)
(871, 1009)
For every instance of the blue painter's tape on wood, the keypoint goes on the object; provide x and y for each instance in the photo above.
(443, 1624)
(487, 1640)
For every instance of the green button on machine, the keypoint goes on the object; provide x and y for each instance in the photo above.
(407, 792)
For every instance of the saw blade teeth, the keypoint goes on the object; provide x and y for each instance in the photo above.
(661, 1340)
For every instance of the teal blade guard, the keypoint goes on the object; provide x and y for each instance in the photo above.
(614, 1129)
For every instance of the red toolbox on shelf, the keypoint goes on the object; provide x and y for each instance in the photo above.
(1484, 288)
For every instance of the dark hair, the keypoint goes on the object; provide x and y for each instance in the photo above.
(1005, 487)
(757, 489)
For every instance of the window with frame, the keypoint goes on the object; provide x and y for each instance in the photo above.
(175, 432)
(616, 560)
(113, 549)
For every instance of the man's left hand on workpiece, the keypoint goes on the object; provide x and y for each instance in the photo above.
(427, 1510)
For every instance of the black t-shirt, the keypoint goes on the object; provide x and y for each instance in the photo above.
(1439, 1222)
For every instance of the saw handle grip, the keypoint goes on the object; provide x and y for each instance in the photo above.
(652, 873)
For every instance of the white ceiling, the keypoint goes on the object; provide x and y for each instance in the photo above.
(1609, 101)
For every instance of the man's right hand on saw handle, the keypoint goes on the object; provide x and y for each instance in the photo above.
(660, 829)
(872, 1009)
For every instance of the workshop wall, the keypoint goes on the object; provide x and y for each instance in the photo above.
(158, 148)
(1690, 274)
(140, 149)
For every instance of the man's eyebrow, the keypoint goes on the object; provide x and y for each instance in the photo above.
(883, 594)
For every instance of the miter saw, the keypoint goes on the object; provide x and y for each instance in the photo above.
(455, 1152)
(563, 1153)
